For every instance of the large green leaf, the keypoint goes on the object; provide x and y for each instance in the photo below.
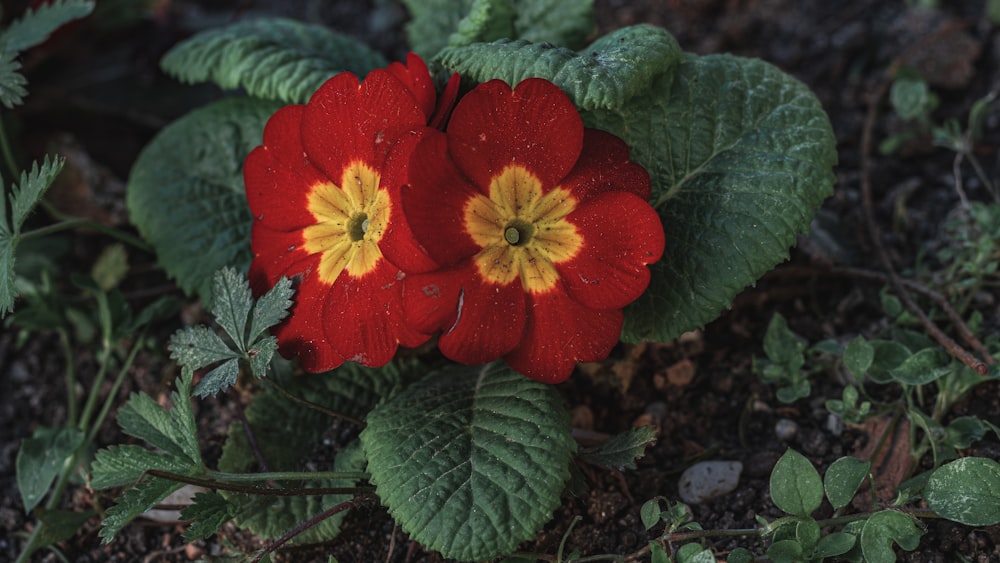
(274, 58)
(607, 74)
(795, 485)
(186, 195)
(36, 25)
(41, 458)
(740, 156)
(966, 490)
(470, 461)
(563, 22)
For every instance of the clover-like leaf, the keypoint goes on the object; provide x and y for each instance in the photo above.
(966, 490)
(740, 155)
(470, 461)
(186, 195)
(796, 487)
(36, 25)
(244, 322)
(605, 75)
(884, 528)
(273, 58)
(621, 450)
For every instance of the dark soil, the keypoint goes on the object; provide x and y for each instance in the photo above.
(98, 97)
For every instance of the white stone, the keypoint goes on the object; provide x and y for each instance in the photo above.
(706, 480)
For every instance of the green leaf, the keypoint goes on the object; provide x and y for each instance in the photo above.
(562, 22)
(832, 545)
(12, 82)
(740, 555)
(882, 529)
(797, 390)
(921, 368)
(36, 25)
(186, 195)
(207, 515)
(59, 525)
(119, 465)
(658, 553)
(173, 431)
(740, 155)
(133, 502)
(796, 487)
(966, 490)
(41, 458)
(243, 321)
(694, 553)
(650, 512)
(470, 461)
(23, 199)
(272, 58)
(843, 479)
(621, 450)
(888, 355)
(488, 20)
(432, 22)
(785, 551)
(110, 268)
(858, 356)
(606, 75)
(965, 431)
(910, 96)
(271, 517)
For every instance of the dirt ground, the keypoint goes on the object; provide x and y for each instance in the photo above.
(105, 99)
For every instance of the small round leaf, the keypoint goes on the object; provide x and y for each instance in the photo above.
(796, 487)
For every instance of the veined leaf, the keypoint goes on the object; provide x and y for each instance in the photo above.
(621, 450)
(740, 156)
(133, 502)
(119, 465)
(209, 512)
(470, 461)
(36, 25)
(23, 198)
(562, 22)
(186, 195)
(172, 431)
(884, 528)
(195, 348)
(796, 487)
(12, 82)
(605, 75)
(966, 490)
(274, 58)
(488, 20)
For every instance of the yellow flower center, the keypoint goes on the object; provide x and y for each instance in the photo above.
(350, 220)
(523, 232)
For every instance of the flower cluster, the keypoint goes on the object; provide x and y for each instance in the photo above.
(514, 232)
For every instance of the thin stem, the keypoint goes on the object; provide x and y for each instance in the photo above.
(70, 378)
(562, 543)
(983, 176)
(223, 486)
(109, 400)
(249, 433)
(328, 513)
(286, 476)
(67, 222)
(8, 155)
(314, 406)
(104, 314)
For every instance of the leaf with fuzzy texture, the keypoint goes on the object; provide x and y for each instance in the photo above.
(488, 20)
(605, 75)
(740, 155)
(274, 58)
(621, 450)
(186, 195)
(208, 513)
(173, 431)
(120, 465)
(133, 502)
(36, 25)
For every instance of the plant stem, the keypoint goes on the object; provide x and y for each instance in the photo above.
(109, 400)
(224, 486)
(328, 513)
(286, 476)
(67, 222)
(70, 378)
(314, 406)
(104, 314)
(8, 156)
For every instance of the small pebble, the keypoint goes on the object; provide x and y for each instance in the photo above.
(785, 429)
(834, 425)
(706, 480)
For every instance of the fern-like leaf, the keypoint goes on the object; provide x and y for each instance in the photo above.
(12, 91)
(275, 59)
(36, 25)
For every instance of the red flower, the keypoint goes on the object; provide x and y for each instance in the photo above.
(323, 190)
(541, 231)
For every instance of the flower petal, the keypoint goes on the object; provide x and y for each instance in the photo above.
(604, 166)
(415, 76)
(278, 176)
(480, 322)
(364, 316)
(535, 125)
(559, 333)
(345, 121)
(622, 235)
(278, 253)
(434, 204)
(303, 333)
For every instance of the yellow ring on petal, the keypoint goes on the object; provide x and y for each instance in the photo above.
(522, 231)
(350, 220)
